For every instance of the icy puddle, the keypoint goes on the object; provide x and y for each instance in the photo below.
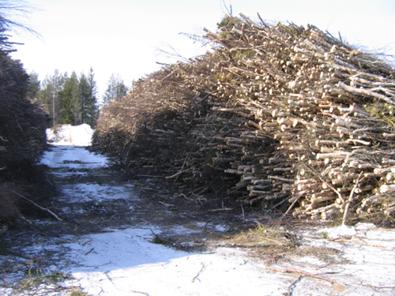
(80, 193)
(131, 260)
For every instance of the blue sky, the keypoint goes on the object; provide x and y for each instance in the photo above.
(128, 37)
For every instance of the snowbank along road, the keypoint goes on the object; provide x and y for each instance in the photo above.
(114, 241)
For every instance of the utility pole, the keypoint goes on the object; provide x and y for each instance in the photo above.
(53, 108)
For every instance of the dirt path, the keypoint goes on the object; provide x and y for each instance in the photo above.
(114, 240)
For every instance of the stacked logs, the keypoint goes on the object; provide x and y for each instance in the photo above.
(274, 113)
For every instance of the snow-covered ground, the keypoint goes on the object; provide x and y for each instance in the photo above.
(69, 157)
(346, 260)
(79, 135)
(125, 262)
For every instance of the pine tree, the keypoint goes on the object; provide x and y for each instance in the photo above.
(49, 95)
(91, 103)
(68, 100)
(85, 94)
(70, 104)
(33, 87)
(87, 85)
(116, 89)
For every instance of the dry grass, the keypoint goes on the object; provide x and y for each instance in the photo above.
(327, 255)
(35, 278)
(263, 236)
(77, 292)
(267, 243)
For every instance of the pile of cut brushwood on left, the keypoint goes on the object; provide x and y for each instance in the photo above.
(287, 117)
(22, 140)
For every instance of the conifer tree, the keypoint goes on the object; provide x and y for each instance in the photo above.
(85, 94)
(68, 100)
(49, 95)
(91, 103)
(116, 89)
(70, 104)
(33, 87)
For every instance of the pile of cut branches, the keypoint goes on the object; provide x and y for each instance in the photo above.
(274, 114)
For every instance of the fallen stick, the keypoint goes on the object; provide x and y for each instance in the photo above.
(366, 92)
(220, 209)
(290, 207)
(348, 202)
(303, 273)
(38, 206)
(196, 277)
(176, 174)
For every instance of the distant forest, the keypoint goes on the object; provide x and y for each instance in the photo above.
(72, 99)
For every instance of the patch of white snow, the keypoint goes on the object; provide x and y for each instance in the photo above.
(221, 228)
(73, 158)
(124, 262)
(339, 231)
(64, 135)
(365, 258)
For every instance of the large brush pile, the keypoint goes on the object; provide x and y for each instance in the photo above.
(273, 114)
(22, 139)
